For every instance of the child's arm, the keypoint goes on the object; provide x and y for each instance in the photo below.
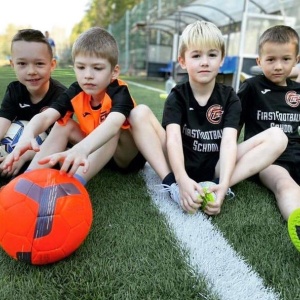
(226, 165)
(38, 124)
(4, 126)
(188, 188)
(77, 156)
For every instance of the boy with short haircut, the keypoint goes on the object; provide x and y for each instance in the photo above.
(272, 100)
(33, 92)
(201, 118)
(110, 126)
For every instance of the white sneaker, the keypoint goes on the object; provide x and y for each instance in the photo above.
(173, 191)
(230, 194)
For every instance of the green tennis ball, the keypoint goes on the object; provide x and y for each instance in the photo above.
(209, 197)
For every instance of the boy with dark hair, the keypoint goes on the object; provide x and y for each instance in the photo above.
(34, 91)
(272, 100)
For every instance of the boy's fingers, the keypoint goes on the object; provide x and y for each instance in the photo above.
(85, 165)
(44, 160)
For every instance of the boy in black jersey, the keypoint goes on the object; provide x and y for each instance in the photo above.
(33, 62)
(272, 100)
(201, 118)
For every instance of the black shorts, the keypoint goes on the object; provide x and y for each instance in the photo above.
(290, 160)
(291, 167)
(135, 165)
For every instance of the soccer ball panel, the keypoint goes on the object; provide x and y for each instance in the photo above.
(12, 136)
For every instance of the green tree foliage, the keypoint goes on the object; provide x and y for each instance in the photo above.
(5, 43)
(102, 13)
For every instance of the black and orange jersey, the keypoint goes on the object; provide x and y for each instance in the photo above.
(116, 99)
(202, 126)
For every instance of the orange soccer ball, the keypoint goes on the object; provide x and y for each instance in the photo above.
(44, 216)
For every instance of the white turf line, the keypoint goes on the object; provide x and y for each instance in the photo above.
(145, 86)
(226, 272)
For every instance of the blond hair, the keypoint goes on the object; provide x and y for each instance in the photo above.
(97, 42)
(201, 34)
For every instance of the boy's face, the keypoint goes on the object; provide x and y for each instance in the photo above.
(277, 61)
(94, 74)
(33, 65)
(202, 65)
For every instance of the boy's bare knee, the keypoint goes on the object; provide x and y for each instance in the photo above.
(276, 133)
(139, 113)
(276, 136)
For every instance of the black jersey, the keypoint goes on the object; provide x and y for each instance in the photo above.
(202, 126)
(265, 105)
(16, 104)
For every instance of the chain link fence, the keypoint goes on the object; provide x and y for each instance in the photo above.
(139, 45)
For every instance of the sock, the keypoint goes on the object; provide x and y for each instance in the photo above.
(216, 180)
(169, 179)
(80, 179)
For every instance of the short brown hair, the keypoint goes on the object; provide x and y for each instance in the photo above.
(99, 42)
(280, 34)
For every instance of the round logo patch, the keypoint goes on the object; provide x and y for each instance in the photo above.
(214, 114)
(292, 98)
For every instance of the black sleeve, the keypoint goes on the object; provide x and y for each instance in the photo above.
(7, 109)
(233, 110)
(173, 109)
(122, 101)
(244, 94)
(63, 102)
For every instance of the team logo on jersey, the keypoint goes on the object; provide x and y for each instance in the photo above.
(24, 105)
(103, 116)
(214, 114)
(265, 91)
(292, 98)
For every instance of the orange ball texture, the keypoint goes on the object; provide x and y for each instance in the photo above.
(44, 216)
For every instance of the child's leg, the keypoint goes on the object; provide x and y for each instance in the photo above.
(257, 153)
(126, 149)
(285, 189)
(98, 159)
(150, 138)
(57, 141)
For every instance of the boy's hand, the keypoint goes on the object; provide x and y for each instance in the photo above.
(19, 150)
(15, 168)
(190, 195)
(214, 207)
(70, 161)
